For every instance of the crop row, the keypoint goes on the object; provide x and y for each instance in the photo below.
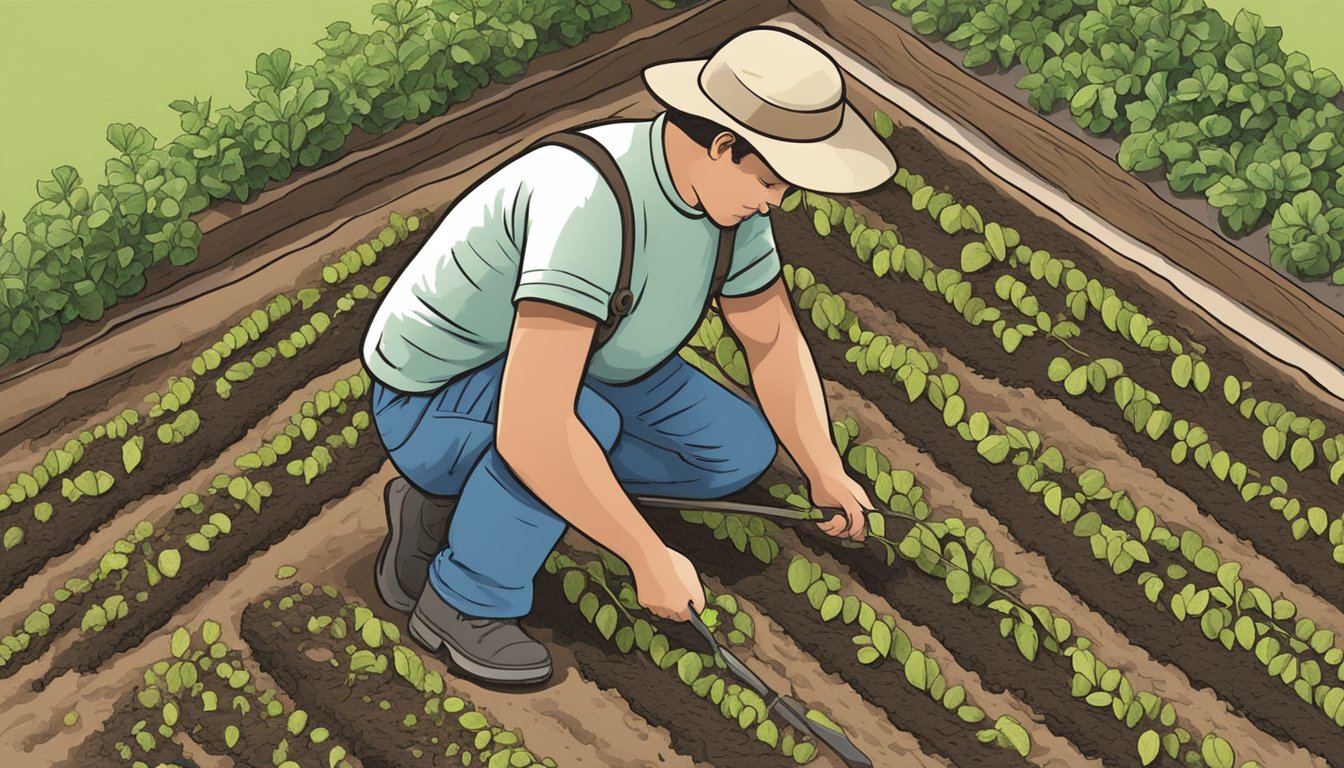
(1226, 607)
(964, 559)
(1223, 107)
(139, 452)
(1311, 446)
(232, 508)
(205, 692)
(600, 586)
(342, 661)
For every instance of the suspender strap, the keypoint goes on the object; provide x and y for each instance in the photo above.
(622, 299)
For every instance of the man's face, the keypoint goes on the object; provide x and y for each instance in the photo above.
(735, 191)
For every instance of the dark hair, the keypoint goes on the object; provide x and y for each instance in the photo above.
(703, 131)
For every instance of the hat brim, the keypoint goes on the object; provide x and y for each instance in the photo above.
(854, 159)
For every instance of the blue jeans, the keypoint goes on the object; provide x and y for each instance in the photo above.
(672, 432)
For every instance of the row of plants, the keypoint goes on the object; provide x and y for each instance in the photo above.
(1312, 446)
(1221, 107)
(150, 437)
(364, 660)
(82, 251)
(911, 369)
(1142, 408)
(312, 435)
(1279, 644)
(600, 586)
(964, 558)
(106, 596)
(203, 690)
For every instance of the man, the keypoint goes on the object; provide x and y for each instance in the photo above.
(485, 388)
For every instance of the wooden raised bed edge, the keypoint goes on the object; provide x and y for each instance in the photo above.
(292, 209)
(1085, 174)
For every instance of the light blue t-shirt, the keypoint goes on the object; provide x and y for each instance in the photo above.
(546, 226)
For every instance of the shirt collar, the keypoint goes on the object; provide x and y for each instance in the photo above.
(663, 172)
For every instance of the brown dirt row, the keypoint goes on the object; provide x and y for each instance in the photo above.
(1227, 429)
(776, 658)
(298, 660)
(1309, 561)
(1049, 749)
(948, 496)
(1240, 436)
(92, 695)
(940, 733)
(101, 748)
(1237, 677)
(291, 504)
(696, 728)
(782, 664)
(1087, 444)
(222, 423)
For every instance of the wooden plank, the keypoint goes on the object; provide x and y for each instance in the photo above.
(263, 230)
(1088, 176)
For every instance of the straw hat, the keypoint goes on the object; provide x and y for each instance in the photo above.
(785, 97)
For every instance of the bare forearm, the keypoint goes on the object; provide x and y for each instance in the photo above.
(789, 390)
(568, 471)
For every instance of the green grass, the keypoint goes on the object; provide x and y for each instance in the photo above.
(71, 67)
(1309, 26)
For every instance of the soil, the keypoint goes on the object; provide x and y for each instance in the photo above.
(1237, 434)
(101, 749)
(948, 496)
(696, 729)
(290, 654)
(223, 422)
(783, 665)
(299, 503)
(940, 733)
(1237, 677)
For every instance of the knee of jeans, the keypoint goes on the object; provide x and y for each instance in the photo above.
(600, 417)
(755, 446)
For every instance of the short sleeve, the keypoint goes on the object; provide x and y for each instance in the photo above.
(755, 261)
(568, 229)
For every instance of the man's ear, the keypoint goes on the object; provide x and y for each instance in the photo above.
(721, 144)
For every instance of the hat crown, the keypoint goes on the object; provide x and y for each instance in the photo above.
(776, 84)
(781, 69)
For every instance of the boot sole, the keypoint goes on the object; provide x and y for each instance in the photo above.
(425, 635)
(385, 575)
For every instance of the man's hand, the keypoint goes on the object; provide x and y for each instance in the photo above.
(837, 489)
(666, 582)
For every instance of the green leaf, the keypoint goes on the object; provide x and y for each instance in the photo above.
(1149, 745)
(1275, 441)
(130, 453)
(884, 127)
(800, 575)
(1303, 453)
(606, 620)
(689, 667)
(1076, 382)
(574, 582)
(975, 256)
(181, 642)
(1015, 734)
(169, 561)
